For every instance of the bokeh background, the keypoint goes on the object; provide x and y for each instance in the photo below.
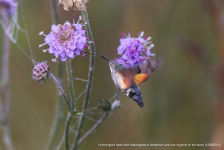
(183, 99)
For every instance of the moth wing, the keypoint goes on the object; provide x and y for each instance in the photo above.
(146, 69)
(124, 82)
(138, 75)
(140, 78)
(125, 78)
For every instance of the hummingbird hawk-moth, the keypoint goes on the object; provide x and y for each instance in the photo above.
(128, 79)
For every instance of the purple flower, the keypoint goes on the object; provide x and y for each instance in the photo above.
(66, 41)
(135, 50)
(10, 5)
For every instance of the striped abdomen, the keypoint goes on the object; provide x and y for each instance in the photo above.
(134, 93)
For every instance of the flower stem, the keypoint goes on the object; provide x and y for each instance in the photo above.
(59, 105)
(67, 126)
(5, 89)
(89, 83)
(72, 103)
(55, 11)
(94, 128)
(70, 83)
(119, 94)
(60, 89)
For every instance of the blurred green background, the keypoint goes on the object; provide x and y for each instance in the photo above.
(180, 98)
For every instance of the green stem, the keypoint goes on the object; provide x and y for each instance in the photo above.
(67, 126)
(55, 12)
(59, 105)
(72, 103)
(90, 81)
(119, 94)
(70, 84)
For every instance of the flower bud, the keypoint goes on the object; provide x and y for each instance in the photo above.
(41, 72)
(104, 104)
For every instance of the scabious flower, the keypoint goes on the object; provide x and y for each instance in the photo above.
(75, 4)
(41, 72)
(10, 5)
(66, 41)
(134, 50)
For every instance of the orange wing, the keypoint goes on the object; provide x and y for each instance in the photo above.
(140, 78)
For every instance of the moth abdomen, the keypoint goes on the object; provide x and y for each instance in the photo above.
(134, 93)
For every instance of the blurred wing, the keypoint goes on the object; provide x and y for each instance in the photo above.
(140, 78)
(124, 81)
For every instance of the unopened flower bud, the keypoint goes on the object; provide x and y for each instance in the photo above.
(41, 72)
(104, 104)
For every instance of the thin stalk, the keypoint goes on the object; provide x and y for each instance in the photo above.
(94, 128)
(60, 89)
(119, 94)
(70, 84)
(5, 89)
(54, 11)
(5, 129)
(89, 83)
(72, 103)
(67, 126)
(59, 105)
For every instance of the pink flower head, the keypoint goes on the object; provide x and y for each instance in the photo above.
(66, 41)
(135, 50)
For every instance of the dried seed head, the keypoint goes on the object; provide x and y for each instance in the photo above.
(75, 4)
(41, 72)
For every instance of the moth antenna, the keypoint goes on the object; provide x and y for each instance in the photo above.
(104, 57)
(122, 54)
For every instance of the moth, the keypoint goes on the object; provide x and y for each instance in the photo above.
(128, 79)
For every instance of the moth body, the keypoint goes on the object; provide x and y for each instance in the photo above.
(124, 79)
(128, 79)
